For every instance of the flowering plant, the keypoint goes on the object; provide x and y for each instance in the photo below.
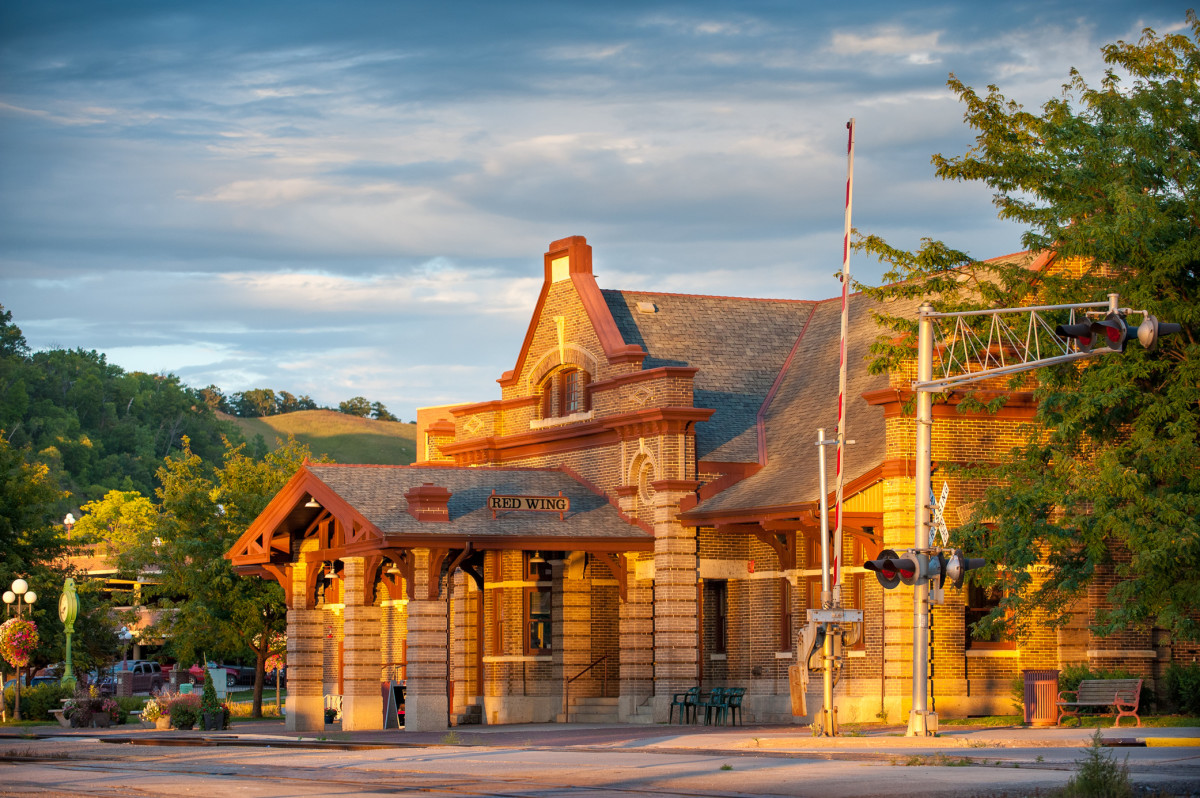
(151, 710)
(87, 704)
(275, 662)
(18, 641)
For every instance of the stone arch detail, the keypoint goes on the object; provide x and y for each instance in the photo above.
(643, 471)
(554, 358)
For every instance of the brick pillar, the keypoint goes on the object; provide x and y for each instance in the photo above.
(362, 701)
(462, 636)
(305, 658)
(571, 629)
(637, 642)
(676, 636)
(425, 700)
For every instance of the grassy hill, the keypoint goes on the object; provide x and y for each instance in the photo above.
(345, 438)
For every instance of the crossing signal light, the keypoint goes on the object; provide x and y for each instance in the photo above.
(1081, 333)
(956, 567)
(1151, 329)
(891, 569)
(1113, 329)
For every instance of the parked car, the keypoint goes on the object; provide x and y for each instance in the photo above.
(243, 674)
(147, 676)
(26, 682)
(234, 674)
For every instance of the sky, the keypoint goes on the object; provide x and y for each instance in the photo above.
(353, 198)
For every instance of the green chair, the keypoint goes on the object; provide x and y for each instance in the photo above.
(687, 705)
(733, 703)
(714, 706)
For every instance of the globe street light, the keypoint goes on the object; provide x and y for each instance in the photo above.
(22, 596)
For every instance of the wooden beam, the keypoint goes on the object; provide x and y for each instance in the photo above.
(618, 566)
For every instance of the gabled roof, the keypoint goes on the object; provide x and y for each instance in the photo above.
(805, 401)
(739, 345)
(372, 500)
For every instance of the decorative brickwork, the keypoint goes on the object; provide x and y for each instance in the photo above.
(362, 703)
(305, 652)
(426, 705)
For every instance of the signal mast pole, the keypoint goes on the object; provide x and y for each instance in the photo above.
(922, 722)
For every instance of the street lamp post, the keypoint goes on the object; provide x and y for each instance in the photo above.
(19, 594)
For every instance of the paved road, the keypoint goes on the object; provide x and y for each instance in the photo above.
(549, 761)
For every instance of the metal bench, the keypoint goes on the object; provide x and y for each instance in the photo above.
(1122, 695)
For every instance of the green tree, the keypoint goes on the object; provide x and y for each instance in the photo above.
(1110, 174)
(202, 512)
(358, 406)
(380, 412)
(256, 403)
(120, 520)
(34, 546)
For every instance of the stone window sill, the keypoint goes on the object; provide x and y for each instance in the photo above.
(558, 421)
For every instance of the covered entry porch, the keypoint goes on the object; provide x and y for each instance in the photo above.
(484, 588)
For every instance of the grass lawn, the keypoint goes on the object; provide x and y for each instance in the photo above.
(345, 438)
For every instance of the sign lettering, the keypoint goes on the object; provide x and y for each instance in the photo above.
(537, 504)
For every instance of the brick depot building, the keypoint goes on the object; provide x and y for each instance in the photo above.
(638, 514)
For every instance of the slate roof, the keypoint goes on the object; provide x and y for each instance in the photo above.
(807, 400)
(377, 493)
(738, 344)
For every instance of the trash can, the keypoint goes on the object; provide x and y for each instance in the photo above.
(1041, 693)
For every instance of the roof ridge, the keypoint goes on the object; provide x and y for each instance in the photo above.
(710, 296)
(443, 466)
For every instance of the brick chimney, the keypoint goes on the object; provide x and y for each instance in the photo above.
(429, 502)
(567, 256)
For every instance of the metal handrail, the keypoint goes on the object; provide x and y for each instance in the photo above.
(567, 685)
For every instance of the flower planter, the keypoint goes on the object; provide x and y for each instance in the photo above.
(163, 723)
(213, 721)
(100, 721)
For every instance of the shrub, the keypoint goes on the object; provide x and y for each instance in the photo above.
(1183, 687)
(36, 702)
(210, 704)
(1098, 775)
(179, 707)
(127, 704)
(183, 716)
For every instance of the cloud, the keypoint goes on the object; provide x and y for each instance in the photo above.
(269, 192)
(887, 40)
(342, 200)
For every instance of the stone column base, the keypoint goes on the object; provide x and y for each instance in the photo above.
(362, 713)
(425, 713)
(305, 713)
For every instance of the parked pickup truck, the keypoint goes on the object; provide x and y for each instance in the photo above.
(147, 676)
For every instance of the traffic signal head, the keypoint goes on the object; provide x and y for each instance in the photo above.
(957, 566)
(1081, 333)
(1151, 329)
(1113, 329)
(891, 569)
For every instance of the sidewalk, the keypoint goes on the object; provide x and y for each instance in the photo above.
(875, 742)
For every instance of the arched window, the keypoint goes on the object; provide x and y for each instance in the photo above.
(565, 392)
